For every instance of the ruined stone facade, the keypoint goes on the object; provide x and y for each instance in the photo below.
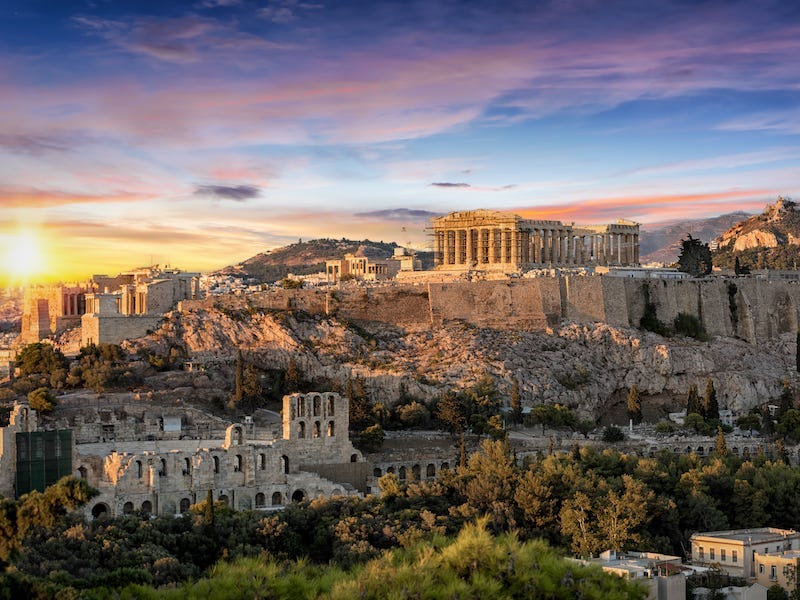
(174, 467)
(360, 267)
(490, 240)
(145, 293)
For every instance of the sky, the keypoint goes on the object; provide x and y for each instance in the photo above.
(197, 134)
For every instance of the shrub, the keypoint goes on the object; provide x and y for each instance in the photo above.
(42, 400)
(612, 434)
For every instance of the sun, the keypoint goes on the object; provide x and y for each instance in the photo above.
(23, 256)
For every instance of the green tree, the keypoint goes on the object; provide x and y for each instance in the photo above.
(613, 434)
(42, 400)
(696, 422)
(293, 377)
(238, 393)
(695, 257)
(371, 439)
(720, 446)
(710, 403)
(450, 413)
(786, 401)
(516, 401)
(413, 414)
(634, 405)
(693, 404)
(40, 358)
(620, 516)
(208, 510)
(578, 521)
(749, 422)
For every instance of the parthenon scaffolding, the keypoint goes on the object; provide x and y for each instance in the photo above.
(491, 240)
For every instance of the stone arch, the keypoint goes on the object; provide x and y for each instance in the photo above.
(262, 462)
(445, 466)
(260, 500)
(298, 496)
(700, 451)
(376, 472)
(184, 505)
(215, 459)
(317, 406)
(147, 507)
(402, 473)
(337, 492)
(277, 499)
(100, 510)
(237, 463)
(301, 430)
(82, 472)
(234, 436)
(416, 472)
(317, 429)
(224, 499)
(331, 430)
(139, 469)
(430, 471)
(162, 470)
(390, 470)
(353, 458)
(187, 466)
(285, 464)
(127, 508)
(301, 406)
(688, 449)
(331, 405)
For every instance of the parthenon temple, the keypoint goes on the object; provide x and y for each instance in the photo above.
(491, 240)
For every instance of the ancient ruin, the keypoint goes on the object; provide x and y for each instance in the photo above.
(491, 240)
(161, 461)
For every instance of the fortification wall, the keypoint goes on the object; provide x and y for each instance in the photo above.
(749, 308)
(113, 329)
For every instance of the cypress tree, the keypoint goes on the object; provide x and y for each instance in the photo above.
(516, 401)
(634, 405)
(720, 446)
(786, 401)
(239, 391)
(693, 404)
(710, 405)
(208, 510)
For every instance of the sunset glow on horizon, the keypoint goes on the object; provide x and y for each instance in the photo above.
(198, 134)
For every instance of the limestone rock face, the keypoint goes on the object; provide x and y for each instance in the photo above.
(754, 239)
(778, 225)
(584, 366)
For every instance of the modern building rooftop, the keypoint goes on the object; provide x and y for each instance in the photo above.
(756, 534)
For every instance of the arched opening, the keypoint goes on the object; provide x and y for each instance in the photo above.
(445, 466)
(416, 472)
(298, 496)
(402, 473)
(216, 464)
(301, 431)
(262, 462)
(317, 406)
(238, 436)
(277, 499)
(127, 508)
(700, 451)
(337, 492)
(237, 464)
(301, 406)
(139, 469)
(260, 500)
(390, 469)
(187, 466)
(285, 464)
(100, 510)
(376, 472)
(224, 499)
(316, 429)
(331, 403)
(354, 458)
(184, 505)
(82, 472)
(147, 507)
(162, 471)
(430, 471)
(330, 429)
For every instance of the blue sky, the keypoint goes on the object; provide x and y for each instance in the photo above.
(201, 133)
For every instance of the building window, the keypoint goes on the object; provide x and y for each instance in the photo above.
(760, 568)
(773, 572)
(237, 465)
(722, 554)
(711, 554)
(701, 553)
(216, 465)
(734, 556)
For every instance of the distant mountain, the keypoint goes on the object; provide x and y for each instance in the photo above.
(770, 240)
(303, 258)
(663, 244)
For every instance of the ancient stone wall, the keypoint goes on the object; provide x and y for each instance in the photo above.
(112, 329)
(750, 308)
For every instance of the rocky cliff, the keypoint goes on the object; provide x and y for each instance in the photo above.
(586, 366)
